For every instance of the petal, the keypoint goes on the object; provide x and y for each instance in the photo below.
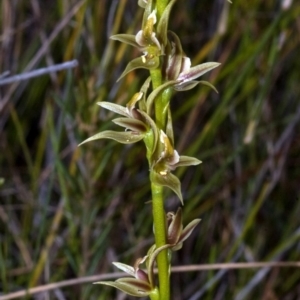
(141, 62)
(141, 275)
(169, 180)
(175, 58)
(197, 71)
(142, 3)
(185, 64)
(173, 160)
(136, 97)
(127, 137)
(132, 124)
(140, 39)
(144, 90)
(169, 153)
(175, 228)
(118, 109)
(147, 12)
(128, 39)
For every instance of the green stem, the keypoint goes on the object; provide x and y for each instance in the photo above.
(160, 240)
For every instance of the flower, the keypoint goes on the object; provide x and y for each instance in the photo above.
(139, 286)
(178, 67)
(176, 233)
(168, 161)
(138, 125)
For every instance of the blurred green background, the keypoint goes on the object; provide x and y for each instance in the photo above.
(68, 212)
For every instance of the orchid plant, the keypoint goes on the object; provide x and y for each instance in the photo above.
(147, 117)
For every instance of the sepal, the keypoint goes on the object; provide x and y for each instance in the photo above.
(130, 286)
(188, 85)
(196, 71)
(128, 39)
(132, 124)
(127, 137)
(185, 161)
(116, 108)
(143, 62)
(165, 178)
(162, 26)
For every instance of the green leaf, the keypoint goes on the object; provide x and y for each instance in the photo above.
(128, 39)
(127, 137)
(197, 71)
(169, 180)
(141, 62)
(116, 108)
(132, 124)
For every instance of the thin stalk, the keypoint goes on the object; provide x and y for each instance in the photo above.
(159, 219)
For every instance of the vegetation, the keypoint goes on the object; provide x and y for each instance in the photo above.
(68, 212)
